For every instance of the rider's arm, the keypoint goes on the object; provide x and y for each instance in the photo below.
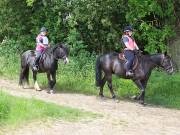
(137, 48)
(126, 43)
(45, 42)
(42, 45)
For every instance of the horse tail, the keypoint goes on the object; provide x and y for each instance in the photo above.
(98, 72)
(24, 71)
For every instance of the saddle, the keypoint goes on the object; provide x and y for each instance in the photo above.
(135, 62)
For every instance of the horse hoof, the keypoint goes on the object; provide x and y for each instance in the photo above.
(26, 87)
(141, 102)
(134, 97)
(37, 89)
(51, 92)
(101, 95)
(116, 100)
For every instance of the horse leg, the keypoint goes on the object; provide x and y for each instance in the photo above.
(144, 84)
(140, 97)
(109, 81)
(52, 82)
(103, 81)
(36, 86)
(49, 82)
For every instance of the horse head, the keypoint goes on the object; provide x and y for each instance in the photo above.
(60, 51)
(167, 63)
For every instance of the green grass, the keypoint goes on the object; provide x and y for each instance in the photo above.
(15, 110)
(162, 89)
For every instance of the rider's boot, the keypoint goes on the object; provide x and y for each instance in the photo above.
(129, 73)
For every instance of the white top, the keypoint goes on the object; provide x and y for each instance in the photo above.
(45, 40)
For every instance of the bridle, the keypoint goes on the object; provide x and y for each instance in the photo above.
(168, 67)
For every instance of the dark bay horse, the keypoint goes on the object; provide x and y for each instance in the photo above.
(48, 64)
(111, 64)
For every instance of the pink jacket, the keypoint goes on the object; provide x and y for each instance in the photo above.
(39, 42)
(131, 44)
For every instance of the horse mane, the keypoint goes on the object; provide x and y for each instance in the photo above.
(51, 49)
(60, 45)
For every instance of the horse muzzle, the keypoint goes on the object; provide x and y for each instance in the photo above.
(170, 70)
(66, 60)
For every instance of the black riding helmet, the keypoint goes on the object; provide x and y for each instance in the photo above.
(128, 28)
(44, 29)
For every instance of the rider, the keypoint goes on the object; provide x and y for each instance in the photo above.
(129, 50)
(41, 44)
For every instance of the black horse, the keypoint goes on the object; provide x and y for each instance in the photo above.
(48, 63)
(111, 64)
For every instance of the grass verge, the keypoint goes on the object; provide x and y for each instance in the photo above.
(16, 110)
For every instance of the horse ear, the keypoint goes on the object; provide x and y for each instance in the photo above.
(60, 45)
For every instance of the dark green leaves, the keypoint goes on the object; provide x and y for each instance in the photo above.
(91, 25)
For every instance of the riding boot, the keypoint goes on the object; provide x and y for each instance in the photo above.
(129, 73)
(129, 55)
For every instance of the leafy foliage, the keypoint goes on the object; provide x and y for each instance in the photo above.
(89, 25)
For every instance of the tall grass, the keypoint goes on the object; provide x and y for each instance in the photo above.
(79, 77)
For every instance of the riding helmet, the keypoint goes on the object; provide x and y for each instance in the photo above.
(44, 29)
(128, 28)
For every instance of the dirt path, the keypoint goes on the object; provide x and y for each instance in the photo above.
(122, 118)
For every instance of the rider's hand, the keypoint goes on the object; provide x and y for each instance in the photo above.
(137, 51)
(140, 51)
(41, 45)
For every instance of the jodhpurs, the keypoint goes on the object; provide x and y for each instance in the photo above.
(38, 54)
(129, 55)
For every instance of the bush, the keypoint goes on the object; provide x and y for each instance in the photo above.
(9, 48)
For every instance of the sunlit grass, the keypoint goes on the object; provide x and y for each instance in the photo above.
(15, 110)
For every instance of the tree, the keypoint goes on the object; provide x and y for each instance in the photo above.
(91, 25)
